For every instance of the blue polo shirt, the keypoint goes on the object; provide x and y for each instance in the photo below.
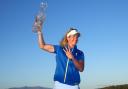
(73, 76)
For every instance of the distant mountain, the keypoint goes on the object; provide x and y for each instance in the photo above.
(26, 87)
(125, 86)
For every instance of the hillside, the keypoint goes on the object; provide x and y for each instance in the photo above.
(125, 86)
(26, 87)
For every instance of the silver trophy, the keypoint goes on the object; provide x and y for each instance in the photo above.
(40, 17)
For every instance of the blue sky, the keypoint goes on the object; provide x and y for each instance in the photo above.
(102, 23)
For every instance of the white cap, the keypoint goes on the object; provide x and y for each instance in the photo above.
(73, 32)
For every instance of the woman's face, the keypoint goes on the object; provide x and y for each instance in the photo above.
(72, 40)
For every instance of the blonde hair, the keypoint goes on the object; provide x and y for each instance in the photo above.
(64, 40)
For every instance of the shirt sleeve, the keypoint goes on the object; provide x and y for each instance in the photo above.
(56, 48)
(81, 56)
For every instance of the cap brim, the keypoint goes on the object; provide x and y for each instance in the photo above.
(77, 34)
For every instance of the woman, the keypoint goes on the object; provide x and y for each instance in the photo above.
(69, 59)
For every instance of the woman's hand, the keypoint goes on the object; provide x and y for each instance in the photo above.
(78, 64)
(68, 53)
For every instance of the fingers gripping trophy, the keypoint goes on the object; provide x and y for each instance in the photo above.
(40, 17)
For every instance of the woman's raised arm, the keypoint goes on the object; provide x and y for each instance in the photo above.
(41, 42)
